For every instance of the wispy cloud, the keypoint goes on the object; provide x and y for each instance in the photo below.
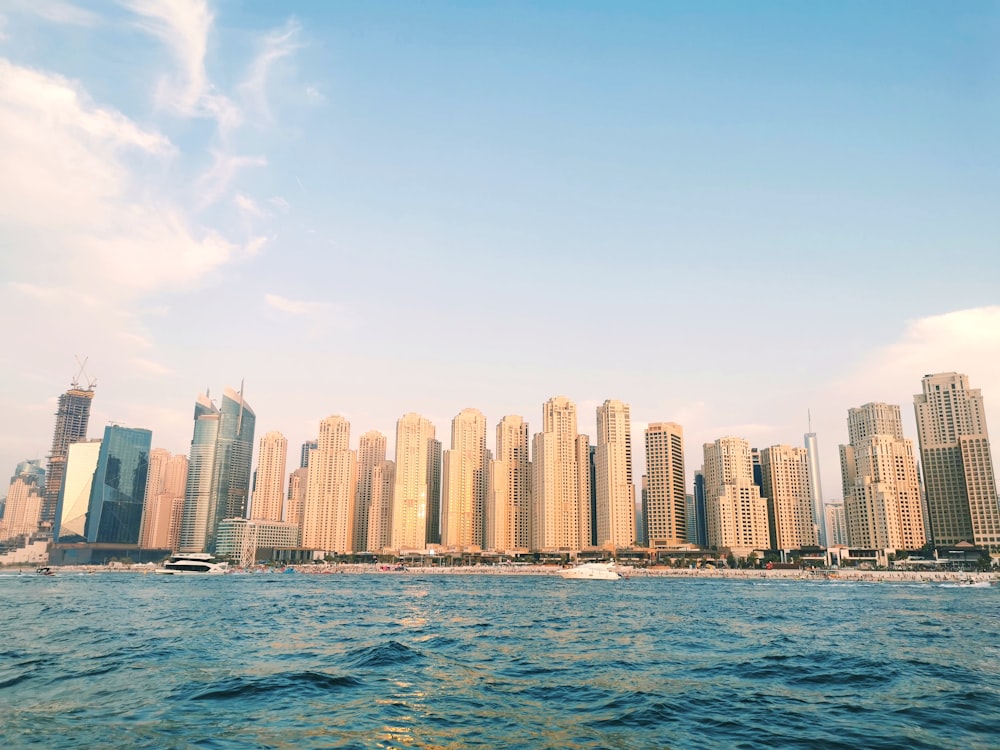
(274, 46)
(56, 11)
(294, 307)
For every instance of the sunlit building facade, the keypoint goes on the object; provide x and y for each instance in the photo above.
(269, 481)
(615, 490)
(332, 483)
(786, 487)
(118, 492)
(666, 506)
(371, 452)
(74, 499)
(415, 476)
(735, 512)
(72, 418)
(561, 518)
(464, 482)
(509, 507)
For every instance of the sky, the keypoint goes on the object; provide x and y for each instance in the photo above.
(746, 218)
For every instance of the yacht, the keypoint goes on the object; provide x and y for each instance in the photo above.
(193, 563)
(594, 571)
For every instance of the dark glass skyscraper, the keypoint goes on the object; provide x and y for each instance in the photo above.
(119, 488)
(218, 483)
(72, 418)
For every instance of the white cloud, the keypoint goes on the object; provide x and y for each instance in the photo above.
(215, 182)
(294, 307)
(280, 203)
(275, 45)
(57, 11)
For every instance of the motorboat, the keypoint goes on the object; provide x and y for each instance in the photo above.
(193, 563)
(593, 571)
(45, 570)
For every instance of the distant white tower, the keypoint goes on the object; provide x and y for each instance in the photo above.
(815, 487)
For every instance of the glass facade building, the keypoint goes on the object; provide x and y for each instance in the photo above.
(114, 515)
(79, 466)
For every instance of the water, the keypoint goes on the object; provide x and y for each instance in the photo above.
(434, 661)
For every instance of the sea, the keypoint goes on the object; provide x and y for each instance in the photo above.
(411, 660)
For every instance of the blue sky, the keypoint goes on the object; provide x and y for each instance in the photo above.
(724, 213)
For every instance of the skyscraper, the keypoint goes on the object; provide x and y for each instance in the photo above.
(666, 517)
(736, 514)
(816, 488)
(414, 478)
(218, 482)
(560, 481)
(164, 506)
(72, 417)
(380, 508)
(269, 489)
(74, 498)
(22, 509)
(118, 491)
(881, 487)
(957, 462)
(785, 475)
(298, 483)
(371, 452)
(613, 467)
(464, 482)
(308, 445)
(332, 483)
(508, 518)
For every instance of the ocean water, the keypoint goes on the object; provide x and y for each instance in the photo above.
(469, 661)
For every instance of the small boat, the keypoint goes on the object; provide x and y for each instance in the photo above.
(193, 563)
(45, 570)
(592, 571)
(966, 585)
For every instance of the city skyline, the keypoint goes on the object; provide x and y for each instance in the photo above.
(423, 208)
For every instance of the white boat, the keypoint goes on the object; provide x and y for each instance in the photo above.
(593, 571)
(193, 564)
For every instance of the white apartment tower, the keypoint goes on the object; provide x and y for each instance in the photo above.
(371, 452)
(560, 496)
(331, 486)
(787, 489)
(464, 482)
(735, 513)
(298, 483)
(957, 462)
(509, 500)
(665, 507)
(413, 482)
(816, 488)
(269, 487)
(881, 486)
(615, 489)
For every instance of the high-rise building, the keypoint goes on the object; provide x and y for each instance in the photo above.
(586, 472)
(666, 517)
(879, 475)
(414, 480)
(380, 508)
(72, 417)
(371, 452)
(836, 525)
(22, 510)
(308, 445)
(434, 462)
(269, 487)
(78, 467)
(957, 462)
(560, 481)
(736, 514)
(164, 505)
(700, 534)
(815, 488)
(118, 492)
(613, 465)
(464, 482)
(328, 516)
(641, 524)
(218, 483)
(298, 483)
(785, 473)
(509, 512)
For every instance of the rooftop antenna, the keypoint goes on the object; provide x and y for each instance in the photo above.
(239, 422)
(809, 419)
(91, 382)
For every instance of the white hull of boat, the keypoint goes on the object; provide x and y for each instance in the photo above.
(591, 572)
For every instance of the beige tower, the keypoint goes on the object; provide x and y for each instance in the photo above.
(881, 487)
(957, 462)
(615, 489)
(665, 492)
(164, 503)
(735, 513)
(412, 489)
(785, 472)
(464, 482)
(371, 452)
(560, 514)
(298, 483)
(328, 516)
(269, 489)
(509, 507)
(380, 507)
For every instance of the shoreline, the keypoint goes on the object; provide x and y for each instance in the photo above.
(754, 574)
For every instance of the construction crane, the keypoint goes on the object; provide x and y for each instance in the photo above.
(91, 382)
